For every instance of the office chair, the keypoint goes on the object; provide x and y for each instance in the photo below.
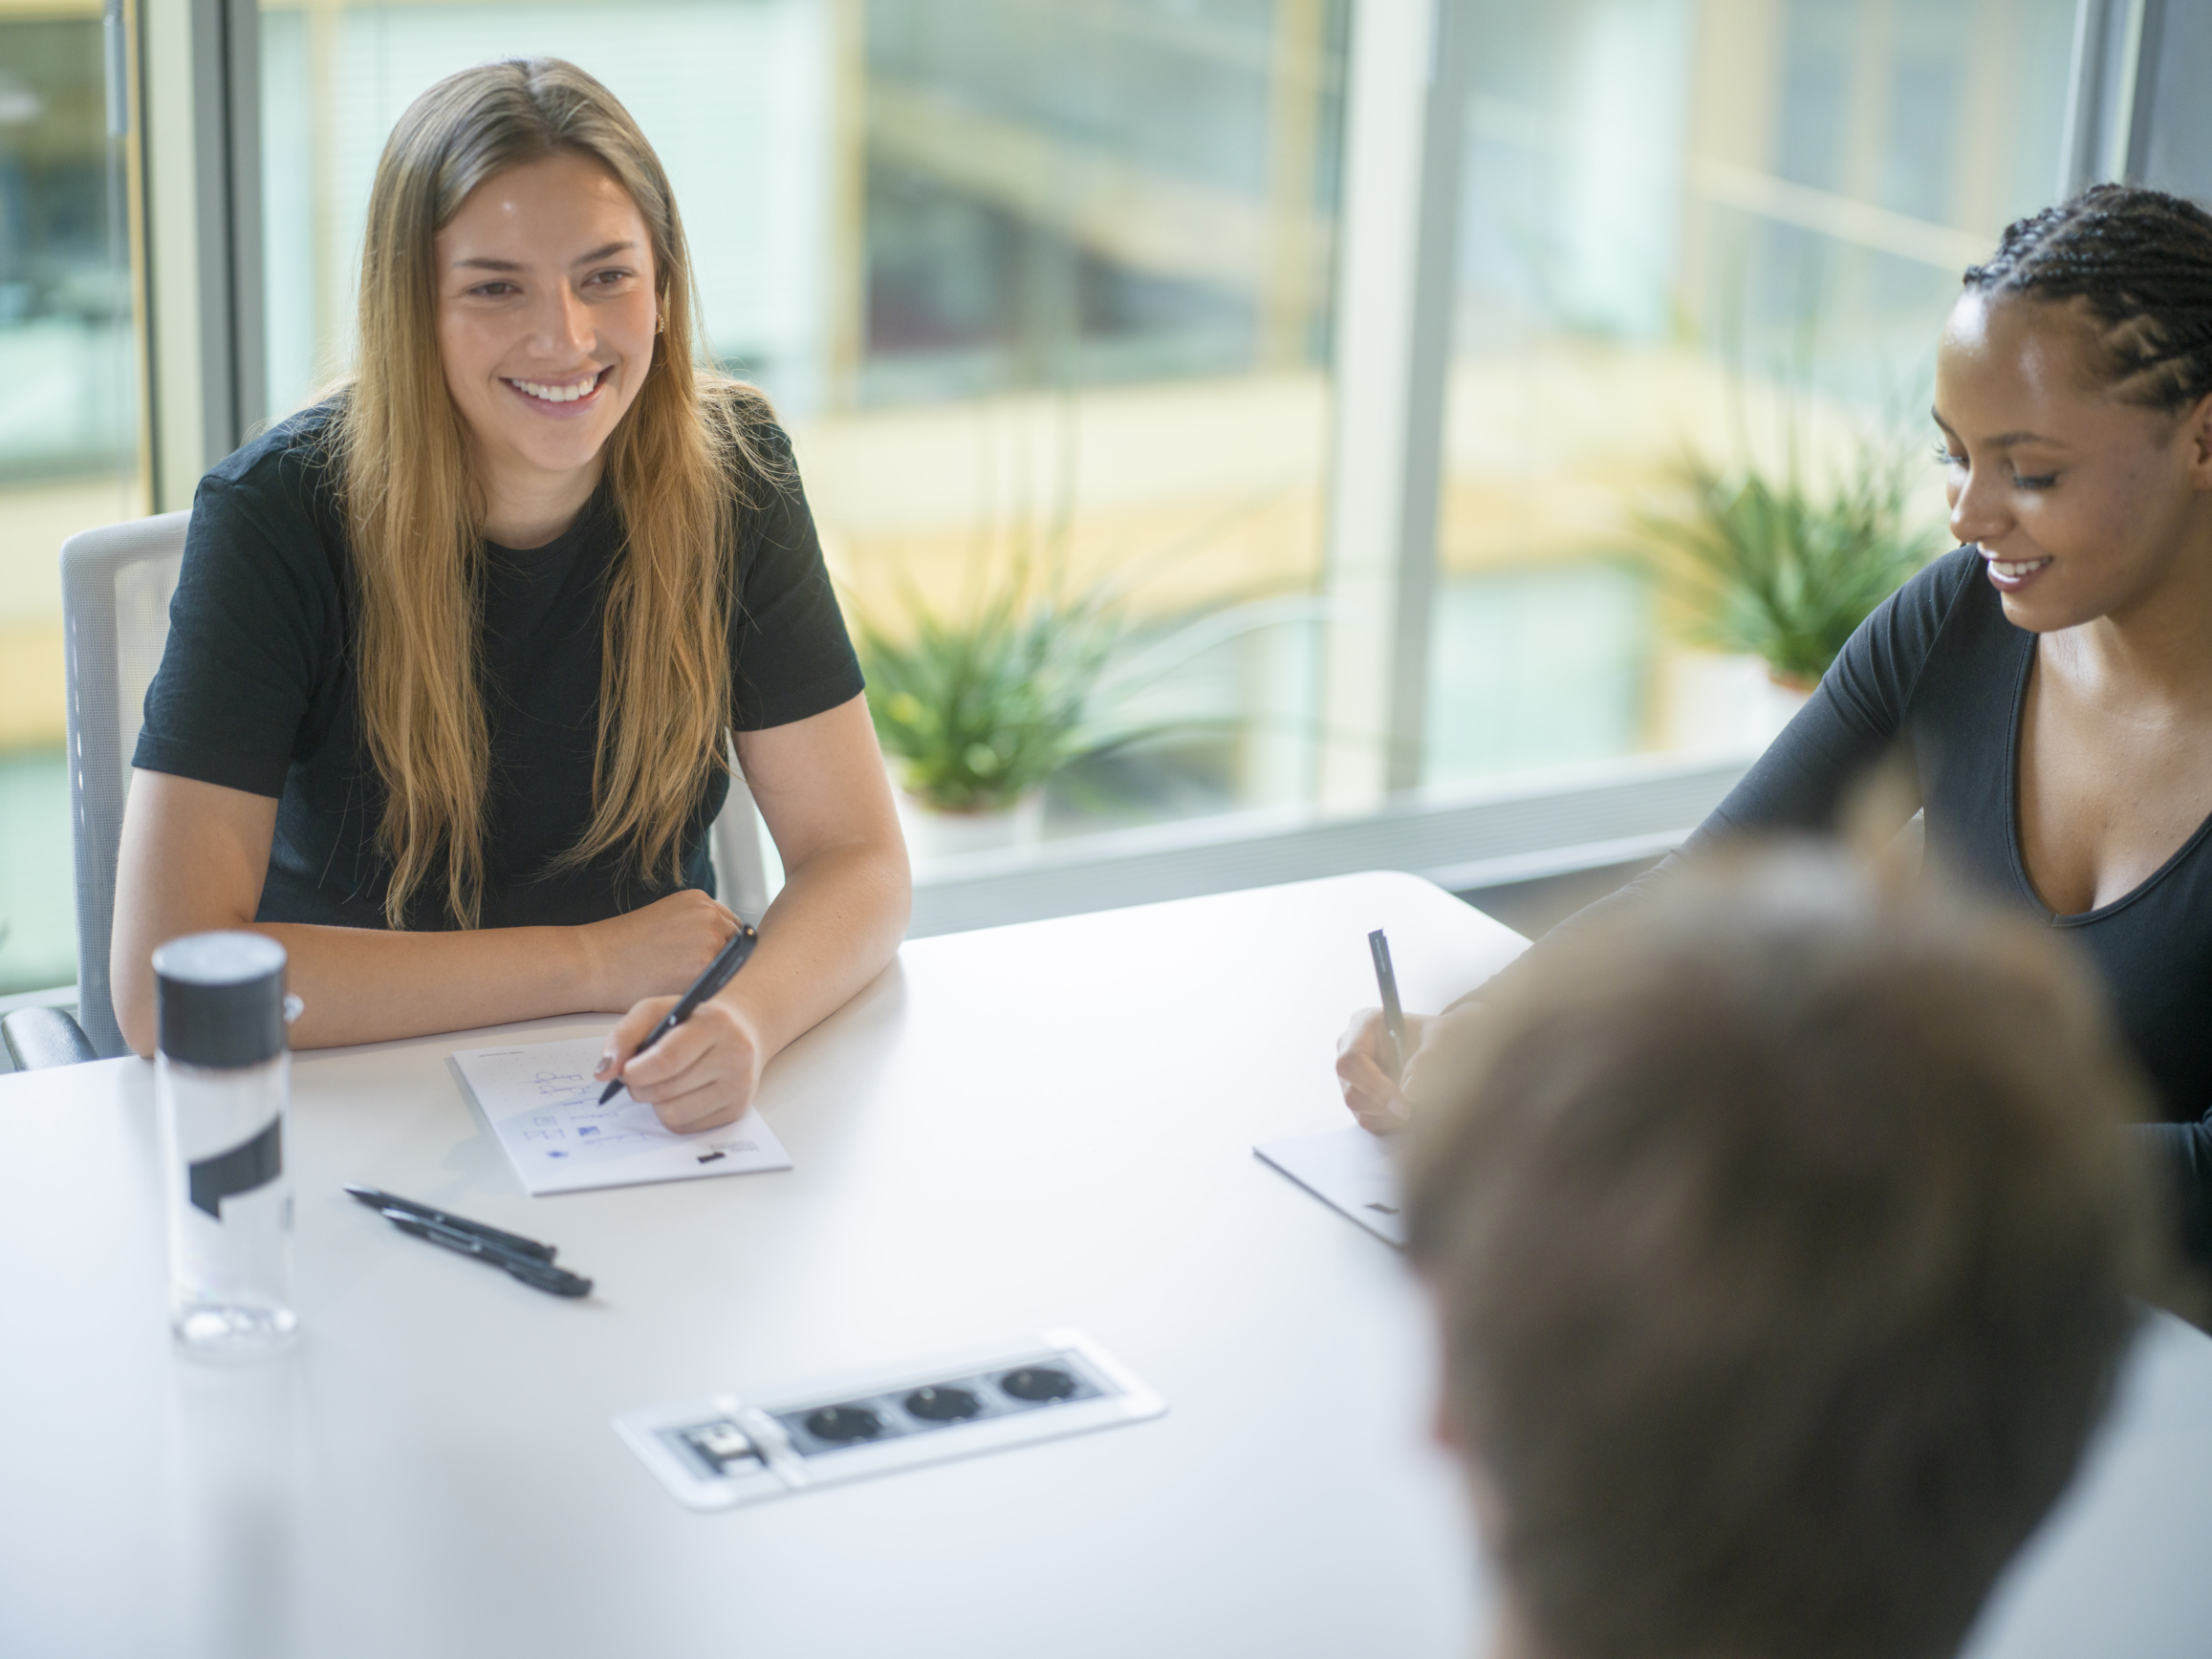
(740, 872)
(115, 584)
(36, 1038)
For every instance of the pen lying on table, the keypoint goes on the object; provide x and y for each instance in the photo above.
(379, 1200)
(532, 1270)
(525, 1259)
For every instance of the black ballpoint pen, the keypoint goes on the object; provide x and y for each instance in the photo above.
(387, 1202)
(536, 1273)
(1393, 1015)
(719, 973)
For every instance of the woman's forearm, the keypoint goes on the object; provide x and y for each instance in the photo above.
(366, 985)
(194, 856)
(835, 924)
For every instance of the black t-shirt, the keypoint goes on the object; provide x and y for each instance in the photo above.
(1939, 673)
(256, 689)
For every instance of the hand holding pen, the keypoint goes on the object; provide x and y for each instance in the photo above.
(695, 1058)
(1394, 1051)
(1376, 1054)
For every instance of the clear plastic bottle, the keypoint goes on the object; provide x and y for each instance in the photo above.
(224, 1088)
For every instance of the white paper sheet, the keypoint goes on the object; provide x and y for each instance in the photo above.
(543, 1103)
(1349, 1170)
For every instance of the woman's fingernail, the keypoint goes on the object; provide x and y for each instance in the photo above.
(606, 1059)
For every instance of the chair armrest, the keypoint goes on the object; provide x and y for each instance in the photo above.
(38, 1038)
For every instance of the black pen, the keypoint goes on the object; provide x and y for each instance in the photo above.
(533, 1271)
(1393, 1015)
(387, 1202)
(719, 973)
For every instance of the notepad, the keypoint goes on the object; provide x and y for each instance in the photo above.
(543, 1103)
(1346, 1168)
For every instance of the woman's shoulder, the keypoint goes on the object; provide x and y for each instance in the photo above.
(1941, 580)
(1926, 611)
(755, 447)
(292, 467)
(1933, 619)
(267, 516)
(734, 405)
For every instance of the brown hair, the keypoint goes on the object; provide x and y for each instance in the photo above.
(675, 468)
(1782, 1233)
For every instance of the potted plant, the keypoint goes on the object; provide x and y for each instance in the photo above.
(979, 702)
(977, 711)
(1769, 567)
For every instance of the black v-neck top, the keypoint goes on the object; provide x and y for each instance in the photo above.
(1939, 673)
(257, 688)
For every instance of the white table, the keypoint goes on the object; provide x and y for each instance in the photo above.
(1022, 1128)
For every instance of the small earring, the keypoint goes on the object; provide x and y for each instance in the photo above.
(660, 322)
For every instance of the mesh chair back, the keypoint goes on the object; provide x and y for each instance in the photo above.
(116, 585)
(741, 874)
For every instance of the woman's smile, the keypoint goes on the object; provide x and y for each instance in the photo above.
(562, 398)
(2010, 575)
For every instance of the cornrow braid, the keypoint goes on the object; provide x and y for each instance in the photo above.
(2139, 263)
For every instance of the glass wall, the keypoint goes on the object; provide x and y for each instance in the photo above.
(1720, 230)
(1019, 274)
(1056, 276)
(69, 436)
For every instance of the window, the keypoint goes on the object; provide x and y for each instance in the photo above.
(69, 438)
(1686, 229)
(1073, 277)
(1015, 272)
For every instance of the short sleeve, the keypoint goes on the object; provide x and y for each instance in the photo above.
(791, 656)
(254, 623)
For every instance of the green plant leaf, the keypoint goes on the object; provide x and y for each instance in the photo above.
(1766, 568)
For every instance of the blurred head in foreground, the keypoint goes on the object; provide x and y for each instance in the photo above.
(1781, 1237)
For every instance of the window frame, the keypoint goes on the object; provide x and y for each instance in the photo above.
(1406, 95)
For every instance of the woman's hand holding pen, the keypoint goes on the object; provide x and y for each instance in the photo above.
(654, 950)
(701, 1075)
(1378, 1100)
(1375, 1097)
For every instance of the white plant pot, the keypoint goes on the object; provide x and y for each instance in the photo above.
(1723, 701)
(932, 834)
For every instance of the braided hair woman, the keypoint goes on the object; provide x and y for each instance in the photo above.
(2051, 680)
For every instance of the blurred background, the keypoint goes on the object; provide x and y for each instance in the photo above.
(1062, 285)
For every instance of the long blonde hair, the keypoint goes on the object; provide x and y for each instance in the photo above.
(678, 467)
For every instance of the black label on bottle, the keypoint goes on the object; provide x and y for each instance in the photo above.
(246, 1166)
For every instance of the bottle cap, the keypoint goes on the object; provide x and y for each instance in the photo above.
(220, 998)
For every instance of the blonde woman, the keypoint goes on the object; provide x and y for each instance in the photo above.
(456, 653)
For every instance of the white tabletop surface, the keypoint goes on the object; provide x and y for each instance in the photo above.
(1012, 1129)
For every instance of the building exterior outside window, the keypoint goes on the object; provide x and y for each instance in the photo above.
(69, 435)
(1066, 274)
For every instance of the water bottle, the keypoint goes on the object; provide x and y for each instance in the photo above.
(223, 1082)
